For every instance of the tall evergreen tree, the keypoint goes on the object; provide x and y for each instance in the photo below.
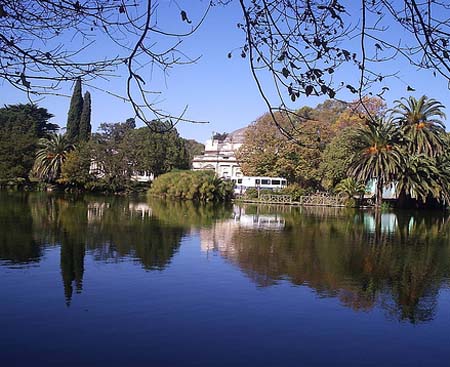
(85, 120)
(74, 116)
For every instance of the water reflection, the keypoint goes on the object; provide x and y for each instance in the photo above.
(17, 242)
(110, 229)
(72, 267)
(397, 262)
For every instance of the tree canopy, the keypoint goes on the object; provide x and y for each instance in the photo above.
(407, 150)
(120, 151)
(85, 119)
(319, 152)
(21, 126)
(317, 47)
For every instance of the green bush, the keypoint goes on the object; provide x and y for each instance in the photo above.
(192, 185)
(350, 203)
(268, 192)
(251, 193)
(295, 190)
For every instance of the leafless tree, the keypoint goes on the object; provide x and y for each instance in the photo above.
(325, 47)
(309, 47)
(46, 42)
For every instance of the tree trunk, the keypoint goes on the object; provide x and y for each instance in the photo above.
(379, 193)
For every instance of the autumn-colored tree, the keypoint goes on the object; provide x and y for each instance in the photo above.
(263, 142)
(266, 152)
(358, 112)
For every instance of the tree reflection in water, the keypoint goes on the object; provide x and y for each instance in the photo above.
(397, 261)
(110, 229)
(18, 245)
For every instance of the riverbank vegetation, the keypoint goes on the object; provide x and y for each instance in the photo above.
(334, 147)
(192, 185)
(344, 147)
(33, 154)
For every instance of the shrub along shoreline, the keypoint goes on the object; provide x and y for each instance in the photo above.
(202, 186)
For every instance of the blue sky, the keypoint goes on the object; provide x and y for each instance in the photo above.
(215, 89)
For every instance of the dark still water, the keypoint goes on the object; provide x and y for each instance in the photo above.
(98, 281)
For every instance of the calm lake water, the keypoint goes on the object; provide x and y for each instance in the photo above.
(99, 281)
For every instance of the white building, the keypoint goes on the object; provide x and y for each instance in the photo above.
(219, 155)
(96, 169)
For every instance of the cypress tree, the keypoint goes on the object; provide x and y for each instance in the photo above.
(85, 120)
(74, 116)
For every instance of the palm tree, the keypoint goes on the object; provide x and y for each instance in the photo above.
(51, 156)
(420, 178)
(380, 155)
(422, 124)
(350, 187)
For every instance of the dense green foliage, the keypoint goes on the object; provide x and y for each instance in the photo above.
(408, 150)
(317, 155)
(337, 158)
(120, 151)
(74, 115)
(21, 126)
(155, 152)
(50, 157)
(192, 185)
(193, 148)
(406, 146)
(110, 161)
(76, 167)
(350, 187)
(85, 119)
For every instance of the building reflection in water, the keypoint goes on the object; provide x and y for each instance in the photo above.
(220, 236)
(397, 262)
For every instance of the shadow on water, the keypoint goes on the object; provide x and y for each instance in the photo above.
(396, 261)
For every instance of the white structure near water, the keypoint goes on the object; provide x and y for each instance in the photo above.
(242, 183)
(220, 155)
